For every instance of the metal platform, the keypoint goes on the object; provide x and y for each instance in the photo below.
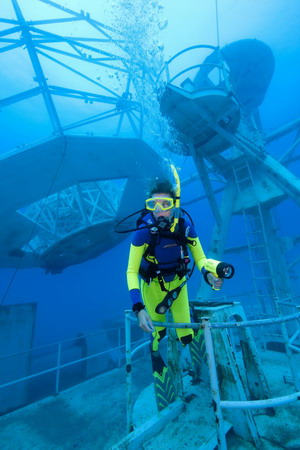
(185, 107)
(90, 178)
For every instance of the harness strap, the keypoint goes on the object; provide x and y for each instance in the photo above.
(181, 270)
(161, 282)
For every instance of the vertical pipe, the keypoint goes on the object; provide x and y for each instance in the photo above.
(167, 71)
(119, 347)
(58, 369)
(128, 371)
(263, 337)
(217, 24)
(289, 353)
(214, 384)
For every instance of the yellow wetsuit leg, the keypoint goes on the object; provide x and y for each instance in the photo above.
(181, 310)
(153, 295)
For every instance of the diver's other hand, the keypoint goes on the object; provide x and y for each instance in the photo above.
(145, 322)
(215, 282)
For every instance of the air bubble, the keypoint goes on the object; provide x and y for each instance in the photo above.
(162, 24)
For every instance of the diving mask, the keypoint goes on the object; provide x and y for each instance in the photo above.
(164, 203)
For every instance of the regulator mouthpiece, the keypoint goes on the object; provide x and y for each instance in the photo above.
(162, 223)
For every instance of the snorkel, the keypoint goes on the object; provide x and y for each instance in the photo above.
(174, 225)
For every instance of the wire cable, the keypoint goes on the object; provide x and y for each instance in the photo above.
(217, 24)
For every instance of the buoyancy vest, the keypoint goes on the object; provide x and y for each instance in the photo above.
(181, 266)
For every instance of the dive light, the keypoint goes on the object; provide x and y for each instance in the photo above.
(219, 268)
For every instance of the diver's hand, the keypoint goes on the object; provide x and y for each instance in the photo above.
(215, 282)
(145, 322)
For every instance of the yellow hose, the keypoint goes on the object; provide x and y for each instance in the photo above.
(177, 199)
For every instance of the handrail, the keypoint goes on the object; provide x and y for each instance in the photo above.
(266, 403)
(254, 323)
(249, 323)
(141, 343)
(219, 404)
(218, 66)
(76, 338)
(193, 47)
(61, 366)
(58, 367)
(139, 347)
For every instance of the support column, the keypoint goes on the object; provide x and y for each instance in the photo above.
(219, 235)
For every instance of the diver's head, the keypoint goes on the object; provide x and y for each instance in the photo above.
(161, 202)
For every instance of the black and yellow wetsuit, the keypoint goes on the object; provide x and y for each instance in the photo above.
(167, 257)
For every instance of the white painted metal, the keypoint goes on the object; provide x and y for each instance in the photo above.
(137, 437)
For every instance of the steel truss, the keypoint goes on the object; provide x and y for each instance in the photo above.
(106, 52)
(71, 210)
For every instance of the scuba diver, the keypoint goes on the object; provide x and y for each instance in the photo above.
(159, 254)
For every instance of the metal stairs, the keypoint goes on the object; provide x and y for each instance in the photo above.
(258, 226)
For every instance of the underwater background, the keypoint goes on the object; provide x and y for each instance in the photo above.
(92, 296)
(86, 297)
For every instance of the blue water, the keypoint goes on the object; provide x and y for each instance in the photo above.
(80, 298)
(93, 295)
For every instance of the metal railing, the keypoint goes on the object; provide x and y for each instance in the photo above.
(207, 327)
(60, 365)
(169, 73)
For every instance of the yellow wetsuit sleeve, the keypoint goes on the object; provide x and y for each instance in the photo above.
(197, 253)
(134, 262)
